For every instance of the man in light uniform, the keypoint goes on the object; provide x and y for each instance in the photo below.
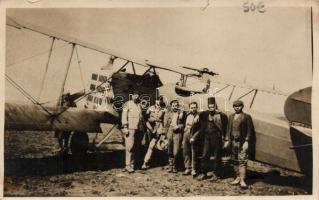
(191, 143)
(239, 132)
(132, 127)
(154, 126)
(174, 124)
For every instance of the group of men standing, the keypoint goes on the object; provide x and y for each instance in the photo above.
(199, 134)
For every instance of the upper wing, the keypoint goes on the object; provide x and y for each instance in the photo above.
(251, 87)
(21, 24)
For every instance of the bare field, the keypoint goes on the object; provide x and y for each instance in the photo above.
(33, 168)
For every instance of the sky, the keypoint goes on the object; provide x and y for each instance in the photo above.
(265, 49)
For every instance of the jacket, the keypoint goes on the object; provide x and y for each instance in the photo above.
(194, 126)
(246, 128)
(180, 121)
(220, 120)
(132, 115)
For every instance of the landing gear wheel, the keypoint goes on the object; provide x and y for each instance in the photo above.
(79, 143)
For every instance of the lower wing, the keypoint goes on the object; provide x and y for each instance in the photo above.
(34, 117)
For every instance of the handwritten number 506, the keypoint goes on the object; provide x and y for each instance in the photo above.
(252, 7)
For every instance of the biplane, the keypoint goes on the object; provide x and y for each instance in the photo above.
(284, 141)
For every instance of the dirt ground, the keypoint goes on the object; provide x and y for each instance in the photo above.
(34, 168)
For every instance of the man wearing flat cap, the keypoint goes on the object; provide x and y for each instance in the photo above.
(239, 131)
(132, 120)
(174, 127)
(213, 129)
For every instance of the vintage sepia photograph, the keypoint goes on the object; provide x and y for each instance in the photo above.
(158, 101)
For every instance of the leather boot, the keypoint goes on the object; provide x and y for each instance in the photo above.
(174, 170)
(202, 176)
(242, 174)
(187, 172)
(236, 181)
(170, 165)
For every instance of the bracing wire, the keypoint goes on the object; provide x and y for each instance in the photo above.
(83, 96)
(36, 55)
(26, 94)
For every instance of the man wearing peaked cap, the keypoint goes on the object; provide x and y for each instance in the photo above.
(239, 131)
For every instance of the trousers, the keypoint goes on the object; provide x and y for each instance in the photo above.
(240, 159)
(150, 149)
(131, 146)
(212, 147)
(191, 153)
(174, 146)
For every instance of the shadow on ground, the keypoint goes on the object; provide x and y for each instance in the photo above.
(274, 177)
(64, 164)
(55, 165)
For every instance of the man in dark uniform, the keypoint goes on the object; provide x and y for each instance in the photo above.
(239, 132)
(63, 136)
(174, 126)
(191, 143)
(213, 129)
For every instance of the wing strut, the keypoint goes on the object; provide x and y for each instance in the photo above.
(149, 69)
(108, 134)
(133, 67)
(66, 74)
(86, 94)
(222, 89)
(79, 65)
(246, 94)
(253, 99)
(231, 93)
(46, 68)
